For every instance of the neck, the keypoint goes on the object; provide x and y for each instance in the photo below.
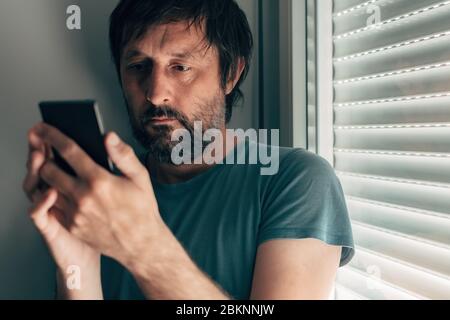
(171, 174)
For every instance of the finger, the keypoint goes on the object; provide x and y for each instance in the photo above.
(35, 142)
(58, 179)
(60, 216)
(62, 210)
(63, 203)
(39, 212)
(75, 156)
(125, 159)
(31, 181)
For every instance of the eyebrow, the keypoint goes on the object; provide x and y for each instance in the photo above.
(180, 55)
(132, 53)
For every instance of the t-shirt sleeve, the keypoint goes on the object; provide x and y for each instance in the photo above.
(305, 200)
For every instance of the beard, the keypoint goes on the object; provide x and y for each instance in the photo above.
(157, 139)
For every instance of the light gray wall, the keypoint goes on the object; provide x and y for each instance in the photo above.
(41, 60)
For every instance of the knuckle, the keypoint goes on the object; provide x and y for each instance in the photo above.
(68, 150)
(72, 227)
(35, 164)
(96, 184)
(127, 151)
(84, 203)
(33, 159)
(78, 220)
(30, 133)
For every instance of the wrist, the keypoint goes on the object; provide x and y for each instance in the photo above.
(156, 255)
(88, 264)
(79, 282)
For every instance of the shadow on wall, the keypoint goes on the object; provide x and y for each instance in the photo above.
(42, 60)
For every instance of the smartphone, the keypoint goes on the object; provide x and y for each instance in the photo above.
(82, 122)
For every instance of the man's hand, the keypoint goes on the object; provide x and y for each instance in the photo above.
(117, 216)
(48, 215)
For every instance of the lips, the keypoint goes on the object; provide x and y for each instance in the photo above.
(160, 120)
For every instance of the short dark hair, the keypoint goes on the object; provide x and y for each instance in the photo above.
(225, 24)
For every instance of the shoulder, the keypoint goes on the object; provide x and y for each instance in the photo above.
(297, 164)
(304, 178)
(303, 160)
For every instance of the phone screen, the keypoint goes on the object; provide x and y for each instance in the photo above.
(81, 121)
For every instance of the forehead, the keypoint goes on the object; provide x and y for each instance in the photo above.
(178, 38)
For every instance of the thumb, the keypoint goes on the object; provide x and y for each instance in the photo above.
(125, 159)
(39, 213)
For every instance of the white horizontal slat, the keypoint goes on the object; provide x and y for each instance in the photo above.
(417, 24)
(436, 169)
(407, 110)
(396, 153)
(393, 100)
(355, 9)
(399, 275)
(357, 17)
(421, 82)
(429, 50)
(420, 139)
(400, 72)
(371, 286)
(395, 126)
(341, 5)
(418, 253)
(430, 226)
(423, 197)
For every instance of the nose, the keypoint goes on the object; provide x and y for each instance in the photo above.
(158, 90)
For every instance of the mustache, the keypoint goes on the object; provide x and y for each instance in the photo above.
(161, 112)
(164, 112)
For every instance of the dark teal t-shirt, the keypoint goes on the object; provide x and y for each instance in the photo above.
(222, 215)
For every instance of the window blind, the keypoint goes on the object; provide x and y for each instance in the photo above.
(391, 80)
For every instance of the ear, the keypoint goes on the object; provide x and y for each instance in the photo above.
(233, 79)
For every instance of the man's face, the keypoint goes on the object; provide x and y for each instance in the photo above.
(170, 79)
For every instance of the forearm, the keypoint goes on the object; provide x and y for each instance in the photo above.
(168, 273)
(85, 286)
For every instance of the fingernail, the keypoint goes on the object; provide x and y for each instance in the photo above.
(114, 140)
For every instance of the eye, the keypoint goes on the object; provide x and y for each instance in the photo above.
(182, 68)
(137, 67)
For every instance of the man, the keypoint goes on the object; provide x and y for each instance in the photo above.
(187, 231)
